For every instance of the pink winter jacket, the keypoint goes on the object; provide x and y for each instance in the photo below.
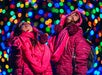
(28, 59)
(64, 54)
(70, 52)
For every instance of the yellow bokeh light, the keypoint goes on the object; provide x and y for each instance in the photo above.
(0, 56)
(28, 22)
(50, 20)
(26, 3)
(97, 52)
(19, 14)
(96, 21)
(35, 6)
(0, 10)
(46, 22)
(33, 1)
(11, 19)
(62, 0)
(2, 59)
(1, 23)
(22, 5)
(5, 55)
(6, 66)
(15, 21)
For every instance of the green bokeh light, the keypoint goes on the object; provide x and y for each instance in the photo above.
(100, 3)
(12, 13)
(49, 4)
(18, 4)
(54, 10)
(42, 20)
(101, 16)
(100, 43)
(95, 64)
(87, 13)
(8, 23)
(0, 52)
(68, 3)
(47, 29)
(61, 3)
(57, 22)
(14, 16)
(72, 7)
(97, 9)
(0, 31)
(9, 70)
(3, 11)
(96, 48)
(61, 11)
(81, 3)
(93, 11)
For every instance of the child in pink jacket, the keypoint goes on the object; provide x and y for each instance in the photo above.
(69, 48)
(29, 56)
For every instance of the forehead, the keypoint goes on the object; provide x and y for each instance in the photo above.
(24, 23)
(75, 14)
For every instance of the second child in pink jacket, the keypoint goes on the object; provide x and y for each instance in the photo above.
(69, 48)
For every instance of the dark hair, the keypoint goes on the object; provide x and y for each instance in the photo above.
(17, 31)
(71, 23)
(35, 40)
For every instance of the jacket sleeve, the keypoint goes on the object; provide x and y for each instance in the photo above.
(46, 57)
(36, 66)
(51, 42)
(15, 58)
(82, 50)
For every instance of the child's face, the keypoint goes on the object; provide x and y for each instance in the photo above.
(26, 27)
(74, 17)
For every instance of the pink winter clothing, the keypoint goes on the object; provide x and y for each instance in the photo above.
(63, 55)
(29, 59)
(67, 49)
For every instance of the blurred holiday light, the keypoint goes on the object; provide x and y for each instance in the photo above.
(41, 12)
(49, 4)
(41, 26)
(30, 14)
(47, 29)
(56, 5)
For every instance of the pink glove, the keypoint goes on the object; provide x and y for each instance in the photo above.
(72, 29)
(58, 28)
(62, 21)
(43, 38)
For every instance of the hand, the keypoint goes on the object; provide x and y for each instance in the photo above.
(72, 29)
(58, 28)
(43, 38)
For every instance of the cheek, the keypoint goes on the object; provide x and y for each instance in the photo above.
(76, 18)
(23, 29)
